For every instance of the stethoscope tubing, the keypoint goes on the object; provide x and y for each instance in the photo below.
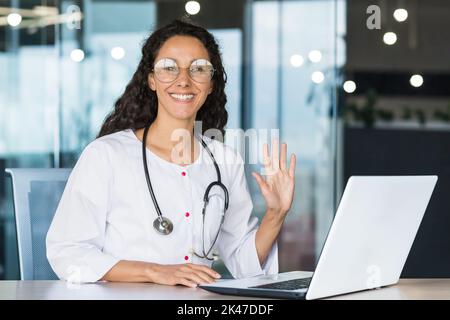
(162, 224)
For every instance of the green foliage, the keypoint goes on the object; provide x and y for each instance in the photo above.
(442, 115)
(367, 113)
(420, 115)
(407, 114)
(385, 115)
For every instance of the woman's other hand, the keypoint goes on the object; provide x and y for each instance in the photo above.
(187, 274)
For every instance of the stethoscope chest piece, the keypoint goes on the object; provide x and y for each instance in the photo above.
(163, 225)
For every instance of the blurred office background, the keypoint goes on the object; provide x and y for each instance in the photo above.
(348, 99)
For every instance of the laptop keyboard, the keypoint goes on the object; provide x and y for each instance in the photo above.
(294, 284)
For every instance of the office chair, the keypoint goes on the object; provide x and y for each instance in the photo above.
(36, 194)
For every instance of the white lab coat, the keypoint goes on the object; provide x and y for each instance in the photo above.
(106, 213)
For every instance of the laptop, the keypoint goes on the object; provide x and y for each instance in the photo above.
(367, 245)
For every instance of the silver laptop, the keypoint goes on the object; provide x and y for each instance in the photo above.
(366, 247)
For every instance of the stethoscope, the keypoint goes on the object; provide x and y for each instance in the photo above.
(162, 224)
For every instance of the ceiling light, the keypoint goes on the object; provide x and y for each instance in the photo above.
(315, 56)
(117, 53)
(77, 55)
(317, 77)
(400, 15)
(14, 19)
(349, 86)
(296, 60)
(390, 38)
(416, 80)
(192, 7)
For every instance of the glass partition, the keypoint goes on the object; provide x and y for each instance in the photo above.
(294, 75)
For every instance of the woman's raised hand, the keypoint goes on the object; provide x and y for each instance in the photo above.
(278, 185)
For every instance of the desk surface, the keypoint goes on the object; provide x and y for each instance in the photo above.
(37, 290)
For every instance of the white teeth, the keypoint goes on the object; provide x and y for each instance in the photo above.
(182, 96)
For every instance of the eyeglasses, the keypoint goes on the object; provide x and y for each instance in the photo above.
(167, 70)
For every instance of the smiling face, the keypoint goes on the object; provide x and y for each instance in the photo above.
(183, 97)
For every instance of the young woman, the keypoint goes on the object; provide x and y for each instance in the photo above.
(141, 206)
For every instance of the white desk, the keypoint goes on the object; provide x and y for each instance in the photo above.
(38, 290)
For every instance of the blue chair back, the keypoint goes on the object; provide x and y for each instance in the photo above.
(36, 194)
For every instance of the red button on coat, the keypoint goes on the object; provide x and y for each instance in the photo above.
(186, 258)
(186, 214)
(183, 173)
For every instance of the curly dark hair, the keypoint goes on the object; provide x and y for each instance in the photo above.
(138, 105)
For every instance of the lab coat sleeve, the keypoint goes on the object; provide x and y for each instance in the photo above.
(237, 245)
(77, 233)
